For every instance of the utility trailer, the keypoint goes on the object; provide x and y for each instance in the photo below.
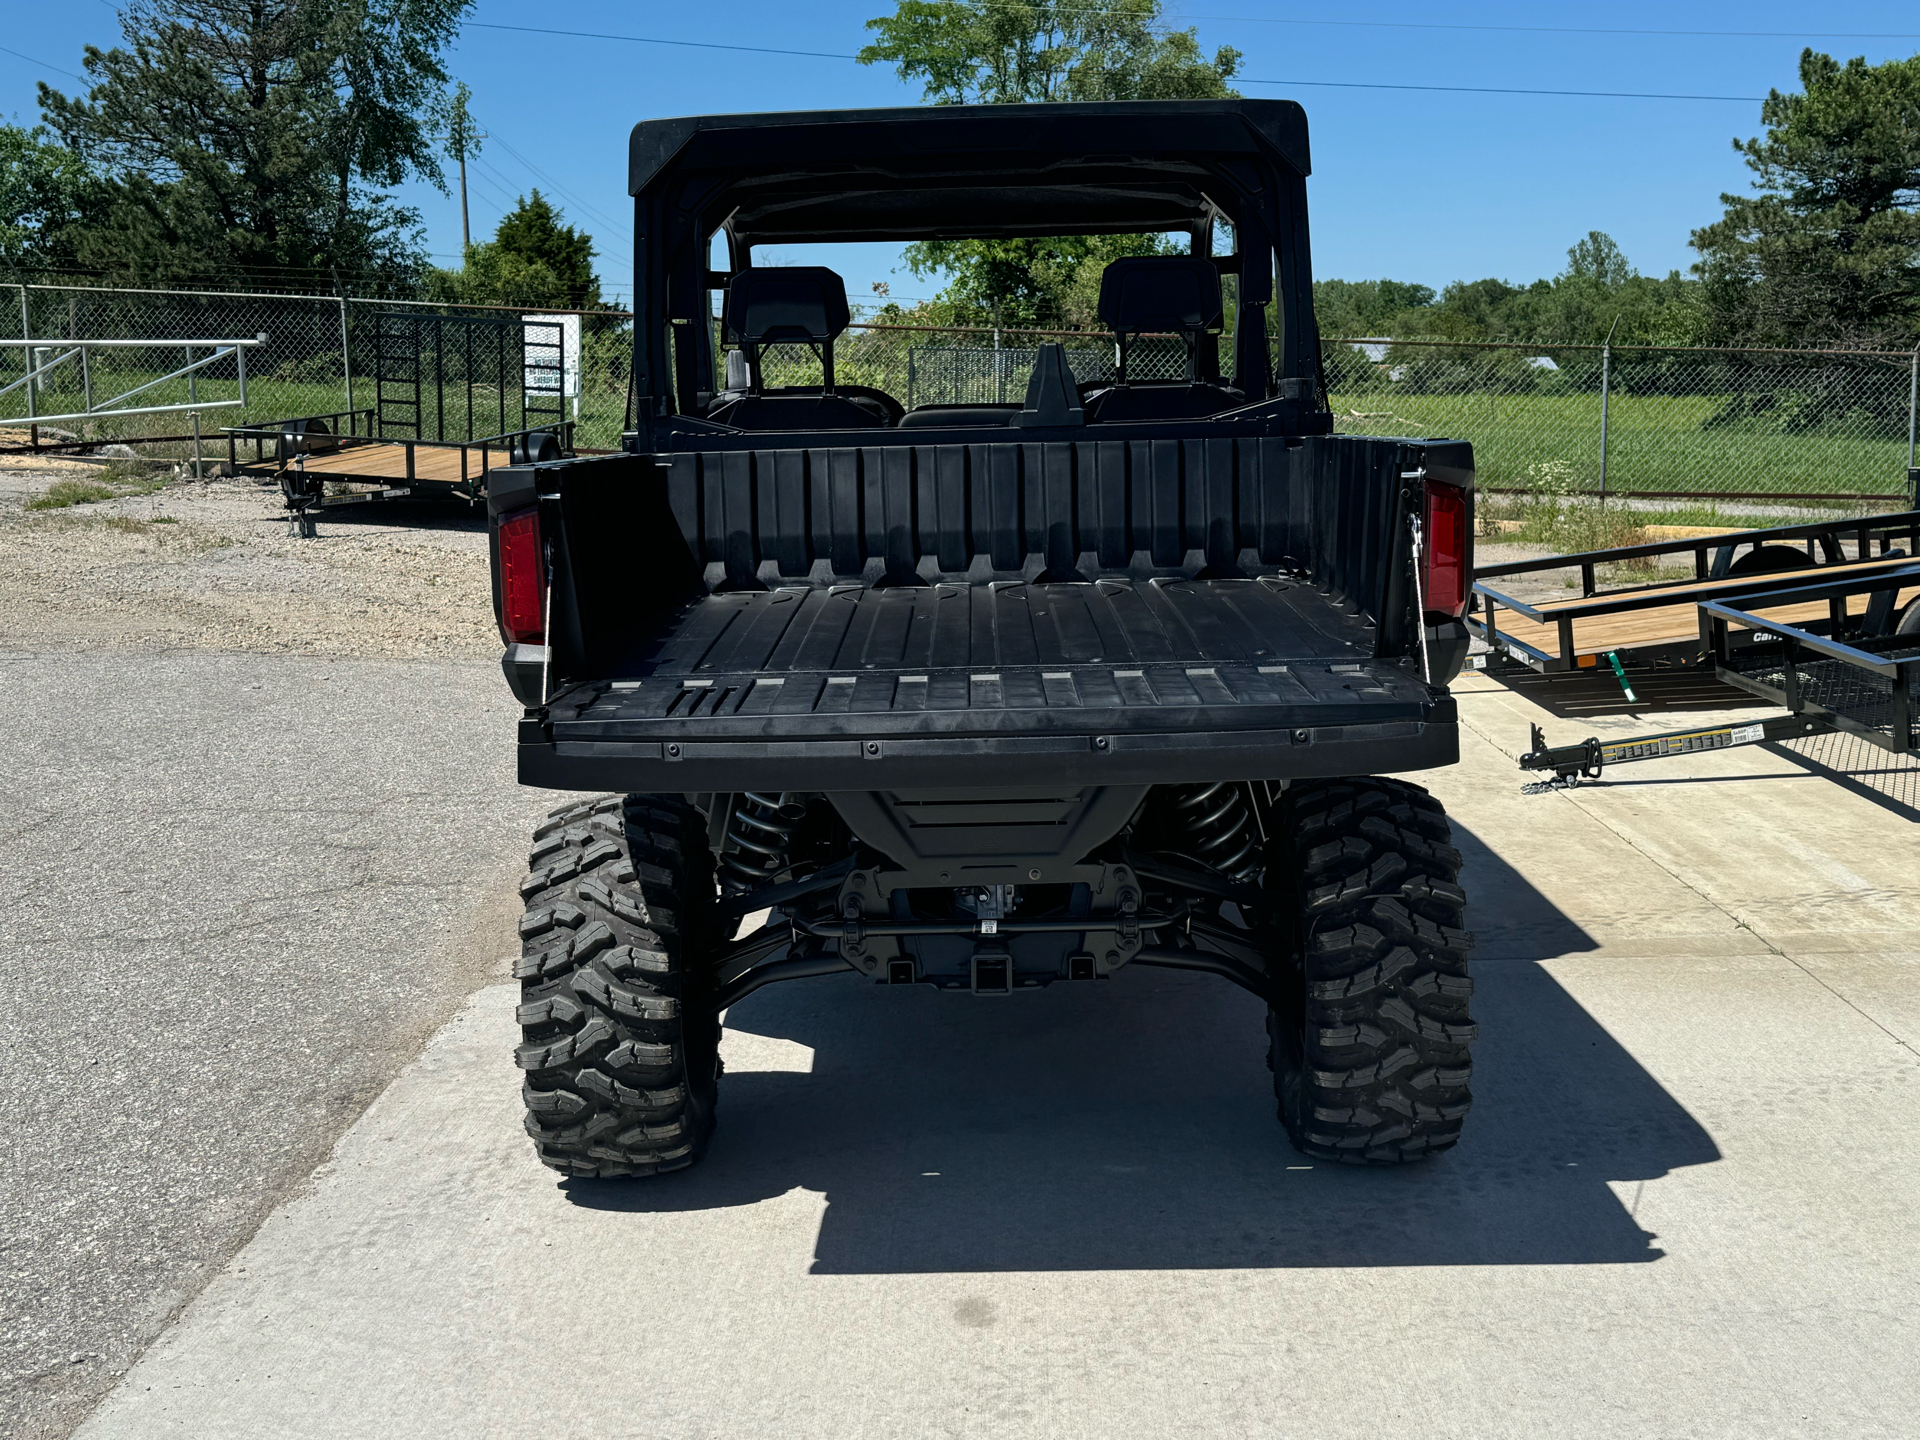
(1660, 622)
(995, 697)
(1851, 667)
(305, 456)
(445, 388)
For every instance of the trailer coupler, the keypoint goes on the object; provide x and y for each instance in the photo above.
(1586, 761)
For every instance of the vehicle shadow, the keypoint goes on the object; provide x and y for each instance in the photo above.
(1577, 695)
(1130, 1125)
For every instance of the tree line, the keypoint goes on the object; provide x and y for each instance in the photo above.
(235, 142)
(1823, 251)
(227, 143)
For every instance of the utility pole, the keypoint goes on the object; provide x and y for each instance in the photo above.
(1606, 349)
(462, 138)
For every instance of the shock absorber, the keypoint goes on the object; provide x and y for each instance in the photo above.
(759, 833)
(1216, 827)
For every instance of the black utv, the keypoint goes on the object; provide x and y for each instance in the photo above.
(986, 697)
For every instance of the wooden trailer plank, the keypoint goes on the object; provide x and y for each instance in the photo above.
(433, 463)
(1668, 624)
(1805, 575)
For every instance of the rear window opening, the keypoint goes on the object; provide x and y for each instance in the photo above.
(1150, 320)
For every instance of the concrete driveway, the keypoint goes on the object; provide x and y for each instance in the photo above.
(1686, 1203)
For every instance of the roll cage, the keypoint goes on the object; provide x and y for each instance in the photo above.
(971, 171)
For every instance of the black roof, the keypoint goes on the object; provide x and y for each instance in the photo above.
(936, 170)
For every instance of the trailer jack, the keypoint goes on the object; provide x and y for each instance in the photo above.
(1586, 760)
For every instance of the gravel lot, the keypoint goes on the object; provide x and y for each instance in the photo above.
(213, 566)
(258, 845)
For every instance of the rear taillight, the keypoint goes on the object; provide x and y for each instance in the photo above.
(523, 578)
(1445, 559)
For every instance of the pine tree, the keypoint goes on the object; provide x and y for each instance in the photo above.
(1825, 252)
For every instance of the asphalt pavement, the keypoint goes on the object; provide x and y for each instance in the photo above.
(1686, 1203)
(242, 892)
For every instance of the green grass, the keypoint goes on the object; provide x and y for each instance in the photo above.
(64, 493)
(1571, 525)
(1654, 443)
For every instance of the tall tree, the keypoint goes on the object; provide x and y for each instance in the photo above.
(1825, 251)
(256, 137)
(463, 140)
(45, 191)
(1011, 51)
(1007, 51)
(533, 261)
(1599, 291)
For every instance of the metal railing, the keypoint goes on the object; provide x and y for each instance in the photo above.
(37, 375)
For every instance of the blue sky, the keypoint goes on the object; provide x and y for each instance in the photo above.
(1417, 185)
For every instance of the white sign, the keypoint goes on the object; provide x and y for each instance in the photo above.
(551, 369)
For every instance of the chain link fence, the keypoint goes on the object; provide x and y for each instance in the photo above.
(968, 367)
(382, 363)
(1798, 426)
(1827, 428)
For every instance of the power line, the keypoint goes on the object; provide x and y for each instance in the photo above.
(1499, 90)
(608, 222)
(505, 207)
(652, 40)
(1513, 29)
(1572, 29)
(42, 64)
(1334, 84)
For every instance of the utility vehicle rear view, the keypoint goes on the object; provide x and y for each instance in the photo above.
(986, 696)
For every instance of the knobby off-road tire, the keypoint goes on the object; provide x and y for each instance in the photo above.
(621, 1041)
(1369, 1032)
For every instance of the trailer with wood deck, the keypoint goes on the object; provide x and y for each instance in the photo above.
(447, 392)
(1831, 640)
(306, 456)
(1659, 622)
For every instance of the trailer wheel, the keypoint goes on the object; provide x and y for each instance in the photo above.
(1768, 559)
(620, 1036)
(1369, 1028)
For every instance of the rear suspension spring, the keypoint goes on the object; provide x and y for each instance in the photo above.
(759, 834)
(1216, 827)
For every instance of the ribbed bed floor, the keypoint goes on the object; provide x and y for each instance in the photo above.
(1155, 652)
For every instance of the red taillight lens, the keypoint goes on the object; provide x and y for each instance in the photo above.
(523, 578)
(1445, 565)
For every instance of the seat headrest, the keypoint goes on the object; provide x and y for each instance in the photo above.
(798, 302)
(1160, 292)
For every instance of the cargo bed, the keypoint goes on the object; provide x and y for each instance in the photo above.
(1210, 643)
(1100, 676)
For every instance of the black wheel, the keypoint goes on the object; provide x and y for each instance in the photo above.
(1767, 559)
(621, 1040)
(1369, 1030)
(535, 446)
(1910, 621)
